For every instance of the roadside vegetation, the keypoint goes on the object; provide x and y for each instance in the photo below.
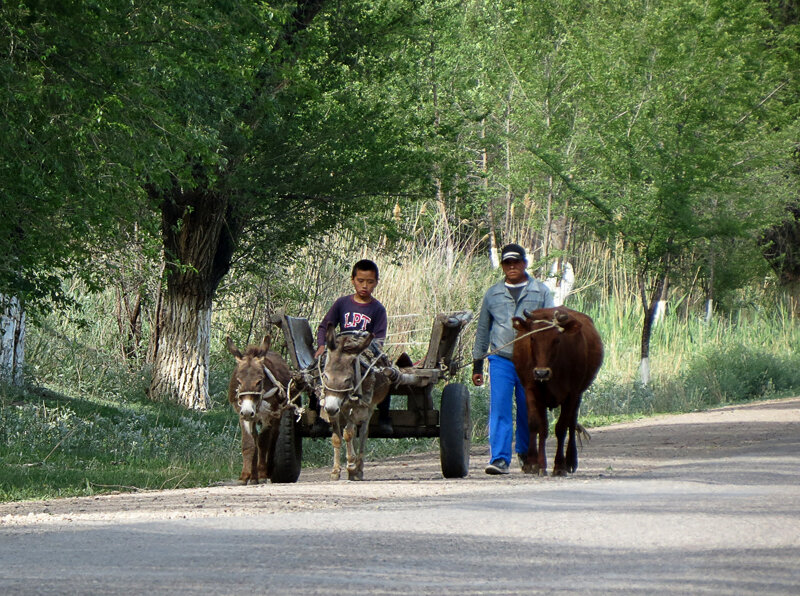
(83, 424)
(175, 173)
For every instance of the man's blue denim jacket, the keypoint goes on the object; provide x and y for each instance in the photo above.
(497, 309)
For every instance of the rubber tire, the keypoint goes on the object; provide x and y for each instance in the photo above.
(288, 450)
(455, 431)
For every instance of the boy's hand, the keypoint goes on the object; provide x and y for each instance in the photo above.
(319, 351)
(477, 380)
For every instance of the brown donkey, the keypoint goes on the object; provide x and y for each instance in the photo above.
(258, 393)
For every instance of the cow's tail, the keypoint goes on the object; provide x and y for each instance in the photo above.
(582, 434)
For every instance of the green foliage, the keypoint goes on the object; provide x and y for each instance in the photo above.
(734, 373)
(51, 446)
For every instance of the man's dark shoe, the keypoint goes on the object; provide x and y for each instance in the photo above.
(498, 466)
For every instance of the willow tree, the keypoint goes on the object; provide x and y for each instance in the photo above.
(56, 191)
(282, 132)
(243, 127)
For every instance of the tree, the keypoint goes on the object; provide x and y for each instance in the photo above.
(244, 127)
(56, 192)
(678, 131)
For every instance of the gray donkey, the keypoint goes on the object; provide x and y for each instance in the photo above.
(351, 388)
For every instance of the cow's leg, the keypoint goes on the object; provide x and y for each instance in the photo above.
(249, 451)
(537, 422)
(336, 440)
(562, 425)
(567, 421)
(572, 447)
(544, 430)
(529, 462)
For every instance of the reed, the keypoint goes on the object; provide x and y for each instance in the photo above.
(84, 425)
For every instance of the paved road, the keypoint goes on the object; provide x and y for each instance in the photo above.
(710, 505)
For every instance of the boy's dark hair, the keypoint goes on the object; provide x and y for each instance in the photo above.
(364, 265)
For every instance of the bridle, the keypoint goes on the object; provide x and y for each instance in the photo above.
(283, 392)
(548, 325)
(359, 377)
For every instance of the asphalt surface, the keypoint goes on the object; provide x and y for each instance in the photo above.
(699, 504)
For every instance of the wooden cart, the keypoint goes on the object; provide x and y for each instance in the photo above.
(451, 423)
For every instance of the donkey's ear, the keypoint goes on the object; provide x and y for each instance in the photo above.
(235, 352)
(266, 343)
(330, 337)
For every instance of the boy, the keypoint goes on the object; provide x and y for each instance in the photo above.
(360, 312)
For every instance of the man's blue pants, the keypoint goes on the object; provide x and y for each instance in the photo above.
(505, 389)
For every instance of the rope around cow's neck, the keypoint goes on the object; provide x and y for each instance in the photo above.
(549, 325)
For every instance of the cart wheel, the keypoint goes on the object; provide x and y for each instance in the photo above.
(455, 431)
(288, 450)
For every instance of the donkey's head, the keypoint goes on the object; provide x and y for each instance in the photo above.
(339, 379)
(252, 387)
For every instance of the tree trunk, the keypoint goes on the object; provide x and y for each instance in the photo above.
(180, 369)
(509, 198)
(660, 310)
(129, 322)
(493, 251)
(447, 233)
(647, 326)
(198, 234)
(12, 340)
(710, 289)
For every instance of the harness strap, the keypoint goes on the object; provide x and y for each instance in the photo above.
(283, 392)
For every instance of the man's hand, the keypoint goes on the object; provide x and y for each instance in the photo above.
(319, 351)
(477, 380)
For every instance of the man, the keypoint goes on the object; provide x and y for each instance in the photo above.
(360, 311)
(509, 298)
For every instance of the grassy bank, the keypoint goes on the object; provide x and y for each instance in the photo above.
(84, 426)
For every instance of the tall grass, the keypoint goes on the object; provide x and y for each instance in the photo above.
(84, 424)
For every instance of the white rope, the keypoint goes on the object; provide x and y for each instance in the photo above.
(549, 325)
(284, 392)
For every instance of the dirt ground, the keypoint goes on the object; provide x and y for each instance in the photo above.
(621, 450)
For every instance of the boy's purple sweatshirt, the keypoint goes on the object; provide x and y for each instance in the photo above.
(349, 315)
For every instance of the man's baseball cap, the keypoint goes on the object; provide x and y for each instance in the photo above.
(512, 252)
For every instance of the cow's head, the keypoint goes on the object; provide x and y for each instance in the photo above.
(338, 376)
(539, 339)
(254, 388)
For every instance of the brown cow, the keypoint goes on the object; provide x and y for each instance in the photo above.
(349, 396)
(556, 362)
(258, 393)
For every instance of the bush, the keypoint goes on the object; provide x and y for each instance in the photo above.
(737, 373)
